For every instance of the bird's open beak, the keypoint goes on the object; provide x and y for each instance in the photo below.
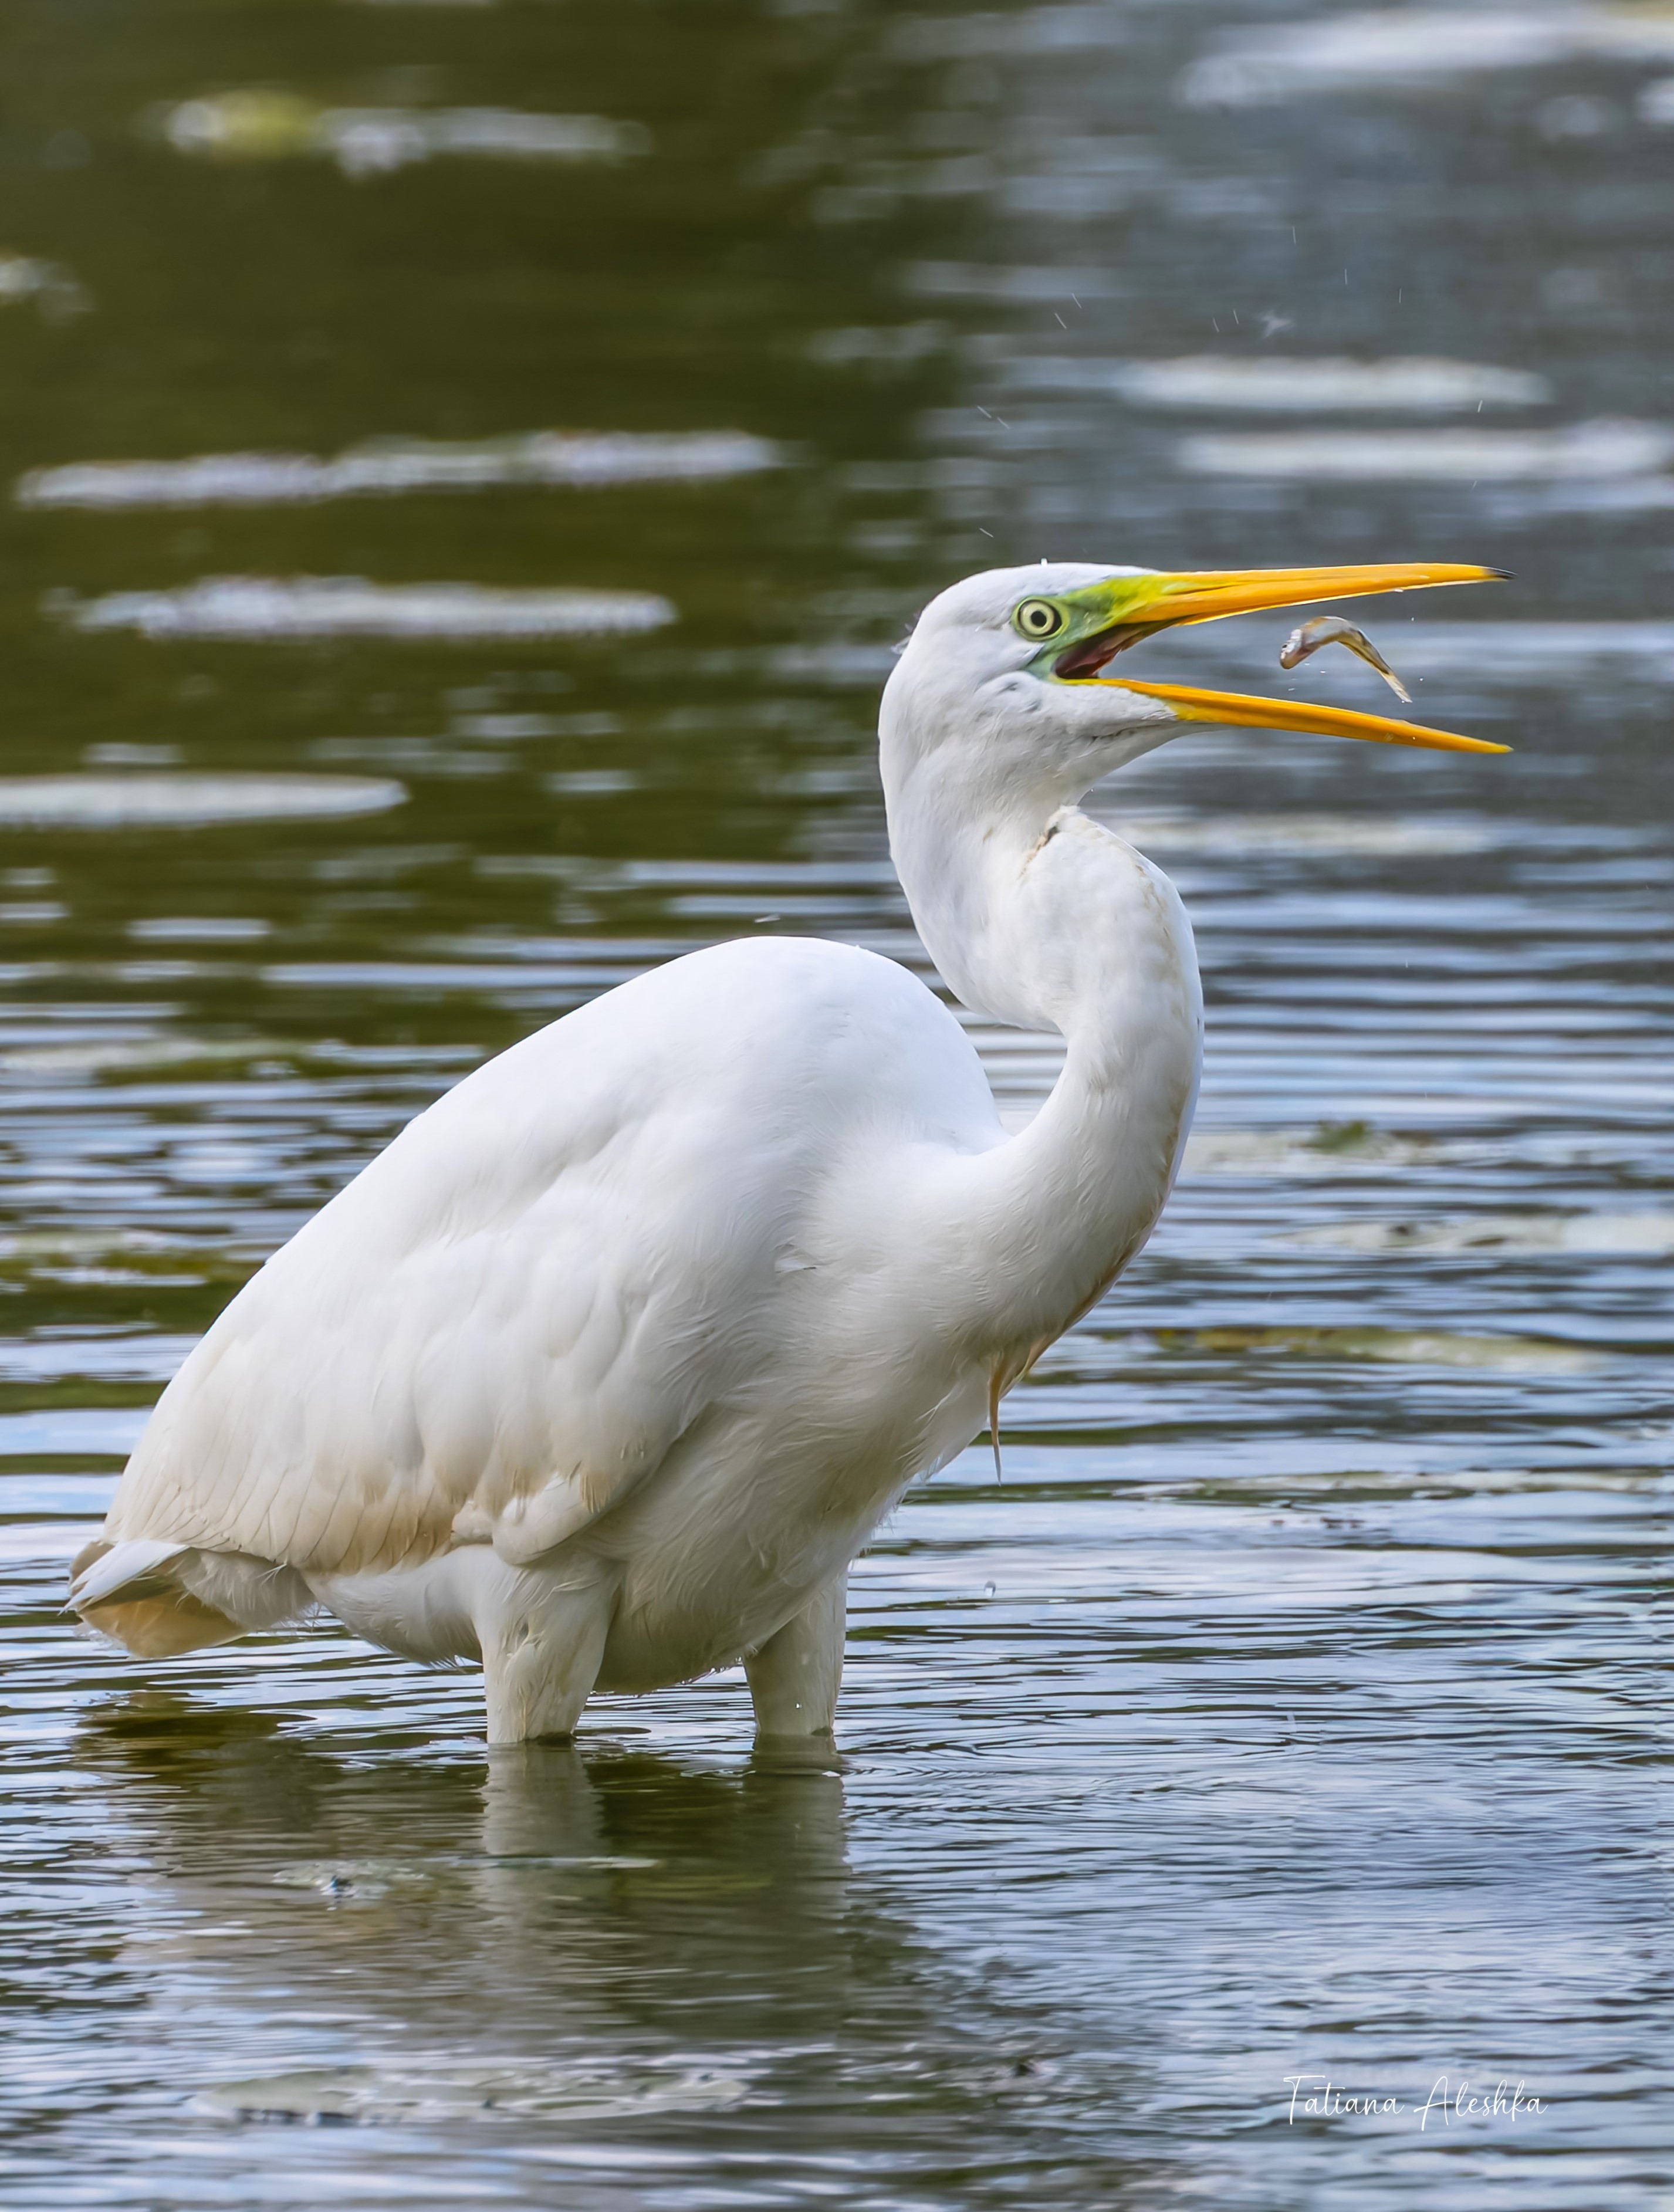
(1131, 608)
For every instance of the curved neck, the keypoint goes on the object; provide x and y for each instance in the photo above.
(1045, 919)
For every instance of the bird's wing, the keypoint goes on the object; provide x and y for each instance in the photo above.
(505, 1322)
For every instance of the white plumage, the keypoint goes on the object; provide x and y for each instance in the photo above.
(604, 1370)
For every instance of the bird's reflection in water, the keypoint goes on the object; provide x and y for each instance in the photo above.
(726, 1900)
(598, 1949)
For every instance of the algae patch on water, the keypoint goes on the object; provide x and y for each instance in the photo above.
(1515, 1355)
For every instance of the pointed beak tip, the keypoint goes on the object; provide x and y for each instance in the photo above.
(1163, 600)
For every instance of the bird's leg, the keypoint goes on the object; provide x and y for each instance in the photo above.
(541, 1643)
(795, 1675)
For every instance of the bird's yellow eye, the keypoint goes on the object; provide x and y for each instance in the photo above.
(1038, 618)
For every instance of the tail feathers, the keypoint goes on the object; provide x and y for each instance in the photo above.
(160, 1598)
(132, 1568)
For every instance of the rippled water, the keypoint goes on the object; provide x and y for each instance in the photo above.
(1295, 1709)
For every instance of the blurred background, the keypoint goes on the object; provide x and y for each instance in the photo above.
(462, 471)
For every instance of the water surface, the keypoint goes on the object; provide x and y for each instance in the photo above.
(470, 466)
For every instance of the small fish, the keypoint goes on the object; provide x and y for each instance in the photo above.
(1331, 630)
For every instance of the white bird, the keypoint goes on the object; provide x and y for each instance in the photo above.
(606, 1368)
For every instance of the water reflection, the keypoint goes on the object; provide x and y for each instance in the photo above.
(389, 466)
(651, 1968)
(261, 607)
(1294, 1703)
(1270, 383)
(374, 141)
(1583, 449)
(109, 802)
(1414, 49)
(52, 288)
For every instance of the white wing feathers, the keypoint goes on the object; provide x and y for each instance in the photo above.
(130, 1568)
(503, 1324)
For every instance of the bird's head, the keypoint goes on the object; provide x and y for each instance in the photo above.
(1003, 685)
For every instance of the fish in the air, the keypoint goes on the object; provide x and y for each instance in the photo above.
(1331, 630)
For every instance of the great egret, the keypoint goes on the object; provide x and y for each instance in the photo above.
(607, 1366)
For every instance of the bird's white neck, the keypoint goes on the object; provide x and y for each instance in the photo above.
(1037, 916)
